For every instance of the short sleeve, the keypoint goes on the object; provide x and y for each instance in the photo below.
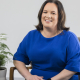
(21, 54)
(73, 54)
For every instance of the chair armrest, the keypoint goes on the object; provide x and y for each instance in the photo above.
(11, 77)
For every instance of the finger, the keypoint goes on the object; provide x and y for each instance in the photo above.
(41, 76)
(36, 78)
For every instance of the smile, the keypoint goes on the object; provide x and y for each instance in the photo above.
(48, 21)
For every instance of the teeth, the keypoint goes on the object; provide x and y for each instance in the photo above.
(48, 20)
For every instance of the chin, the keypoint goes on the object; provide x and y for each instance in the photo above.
(47, 25)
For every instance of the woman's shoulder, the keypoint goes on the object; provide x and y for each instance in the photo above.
(33, 31)
(30, 34)
(71, 35)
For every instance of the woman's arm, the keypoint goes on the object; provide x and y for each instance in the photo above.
(21, 68)
(24, 72)
(64, 75)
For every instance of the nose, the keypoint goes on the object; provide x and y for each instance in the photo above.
(48, 15)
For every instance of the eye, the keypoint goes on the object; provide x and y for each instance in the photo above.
(53, 13)
(44, 12)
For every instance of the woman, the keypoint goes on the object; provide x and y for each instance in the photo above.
(52, 49)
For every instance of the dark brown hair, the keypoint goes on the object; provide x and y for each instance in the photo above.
(61, 16)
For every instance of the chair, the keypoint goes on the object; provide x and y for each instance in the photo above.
(79, 41)
(12, 72)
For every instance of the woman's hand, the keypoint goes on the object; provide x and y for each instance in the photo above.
(34, 77)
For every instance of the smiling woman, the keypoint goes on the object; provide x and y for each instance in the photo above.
(52, 49)
(57, 7)
(52, 18)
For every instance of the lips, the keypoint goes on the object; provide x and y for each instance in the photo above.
(48, 20)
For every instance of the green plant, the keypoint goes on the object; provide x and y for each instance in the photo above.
(4, 51)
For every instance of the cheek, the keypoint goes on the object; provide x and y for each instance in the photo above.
(56, 18)
(42, 18)
(43, 15)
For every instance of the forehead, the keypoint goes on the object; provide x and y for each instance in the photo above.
(51, 7)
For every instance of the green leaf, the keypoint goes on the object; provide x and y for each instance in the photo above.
(2, 34)
(3, 37)
(3, 46)
(4, 51)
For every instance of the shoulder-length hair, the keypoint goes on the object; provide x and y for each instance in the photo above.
(61, 15)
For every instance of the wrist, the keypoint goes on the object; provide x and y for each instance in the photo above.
(27, 76)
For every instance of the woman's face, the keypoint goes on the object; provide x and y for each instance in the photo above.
(49, 16)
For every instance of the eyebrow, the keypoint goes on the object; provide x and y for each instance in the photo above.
(46, 10)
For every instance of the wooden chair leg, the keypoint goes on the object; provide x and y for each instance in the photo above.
(79, 77)
(12, 73)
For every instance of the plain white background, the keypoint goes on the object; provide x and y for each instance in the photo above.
(18, 17)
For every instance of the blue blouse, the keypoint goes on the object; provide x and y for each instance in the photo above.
(49, 56)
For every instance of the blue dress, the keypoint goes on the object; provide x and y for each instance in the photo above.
(49, 56)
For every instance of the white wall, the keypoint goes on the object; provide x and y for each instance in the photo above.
(18, 17)
(72, 15)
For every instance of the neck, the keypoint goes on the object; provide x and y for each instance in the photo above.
(50, 33)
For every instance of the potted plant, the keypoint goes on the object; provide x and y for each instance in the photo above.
(4, 53)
